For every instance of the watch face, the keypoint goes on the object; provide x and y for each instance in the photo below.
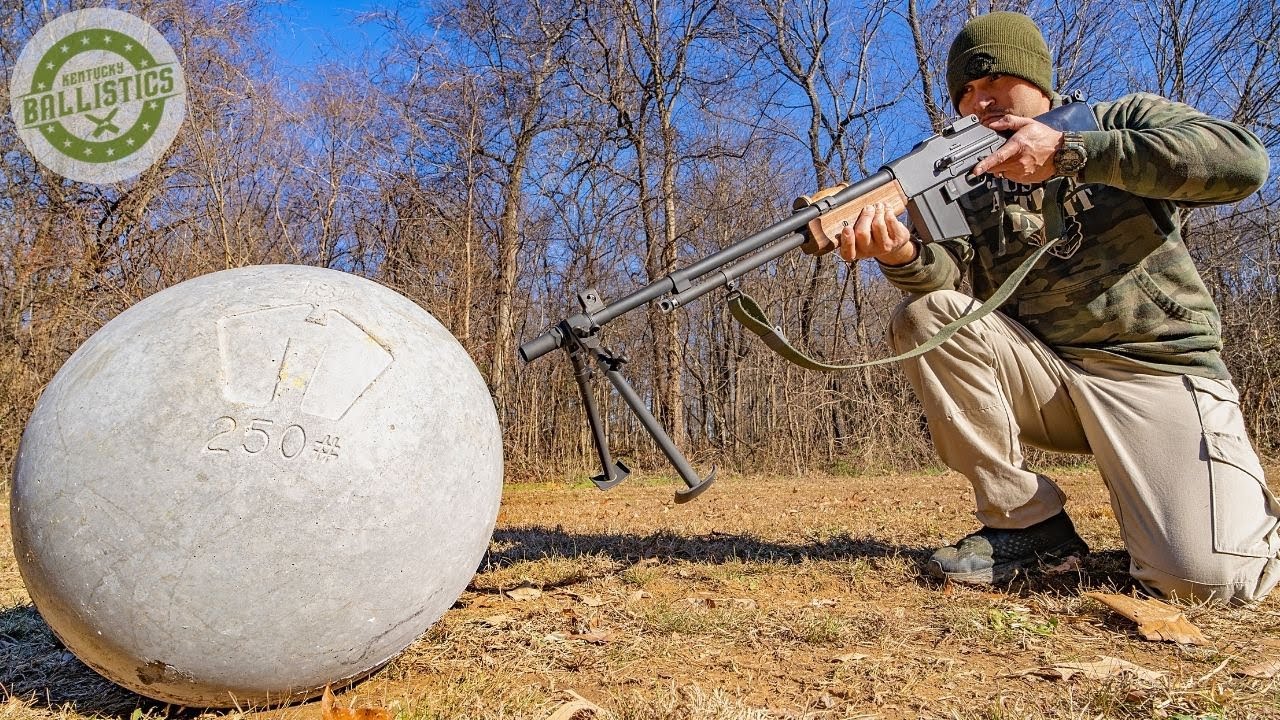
(1069, 159)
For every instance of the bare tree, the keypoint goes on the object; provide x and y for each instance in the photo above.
(76, 255)
(650, 59)
(506, 58)
(492, 159)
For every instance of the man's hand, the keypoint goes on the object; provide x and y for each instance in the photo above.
(877, 233)
(1027, 157)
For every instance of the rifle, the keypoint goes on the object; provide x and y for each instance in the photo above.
(928, 181)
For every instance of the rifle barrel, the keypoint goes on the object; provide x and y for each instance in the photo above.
(733, 272)
(541, 345)
(678, 282)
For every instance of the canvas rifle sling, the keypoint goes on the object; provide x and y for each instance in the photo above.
(746, 311)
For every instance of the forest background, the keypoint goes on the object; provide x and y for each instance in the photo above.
(491, 158)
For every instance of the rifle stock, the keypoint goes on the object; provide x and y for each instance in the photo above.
(820, 233)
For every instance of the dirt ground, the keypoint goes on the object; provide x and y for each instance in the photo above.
(765, 598)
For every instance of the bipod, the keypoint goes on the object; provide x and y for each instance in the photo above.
(582, 342)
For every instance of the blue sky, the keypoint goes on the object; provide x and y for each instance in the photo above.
(314, 31)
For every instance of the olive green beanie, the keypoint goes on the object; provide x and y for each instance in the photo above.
(1008, 43)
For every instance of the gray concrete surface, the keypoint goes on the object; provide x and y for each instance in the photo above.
(255, 483)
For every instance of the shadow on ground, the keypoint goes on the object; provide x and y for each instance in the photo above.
(1099, 570)
(36, 667)
(516, 544)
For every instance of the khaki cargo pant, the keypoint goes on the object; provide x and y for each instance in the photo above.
(1185, 484)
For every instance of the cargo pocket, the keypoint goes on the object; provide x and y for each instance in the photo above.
(1245, 512)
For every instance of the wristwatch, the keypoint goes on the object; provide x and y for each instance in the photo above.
(1070, 158)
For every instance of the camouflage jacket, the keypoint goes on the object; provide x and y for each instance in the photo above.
(1121, 281)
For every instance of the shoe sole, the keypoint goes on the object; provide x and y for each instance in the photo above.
(1004, 572)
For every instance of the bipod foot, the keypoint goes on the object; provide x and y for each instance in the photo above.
(619, 472)
(693, 491)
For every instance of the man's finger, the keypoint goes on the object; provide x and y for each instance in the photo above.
(879, 229)
(1011, 122)
(845, 243)
(1005, 153)
(862, 232)
(899, 231)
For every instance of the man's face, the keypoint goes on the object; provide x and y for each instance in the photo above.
(995, 96)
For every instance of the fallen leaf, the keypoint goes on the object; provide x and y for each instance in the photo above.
(1264, 670)
(524, 593)
(1102, 669)
(577, 708)
(1135, 695)
(331, 710)
(715, 602)
(1108, 667)
(1070, 565)
(599, 637)
(1156, 620)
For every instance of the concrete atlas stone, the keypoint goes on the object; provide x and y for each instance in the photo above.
(255, 483)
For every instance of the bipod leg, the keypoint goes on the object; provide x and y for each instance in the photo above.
(614, 472)
(695, 483)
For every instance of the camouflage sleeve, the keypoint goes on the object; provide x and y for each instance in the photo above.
(937, 267)
(1156, 148)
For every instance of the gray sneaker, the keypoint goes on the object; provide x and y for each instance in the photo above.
(992, 556)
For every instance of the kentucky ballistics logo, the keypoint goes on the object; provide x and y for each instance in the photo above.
(98, 95)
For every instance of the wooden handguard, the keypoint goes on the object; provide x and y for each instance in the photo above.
(821, 232)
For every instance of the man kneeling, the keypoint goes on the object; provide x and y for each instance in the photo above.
(1111, 347)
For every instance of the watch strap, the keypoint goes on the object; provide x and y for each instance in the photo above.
(1070, 159)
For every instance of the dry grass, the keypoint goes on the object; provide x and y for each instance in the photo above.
(765, 598)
